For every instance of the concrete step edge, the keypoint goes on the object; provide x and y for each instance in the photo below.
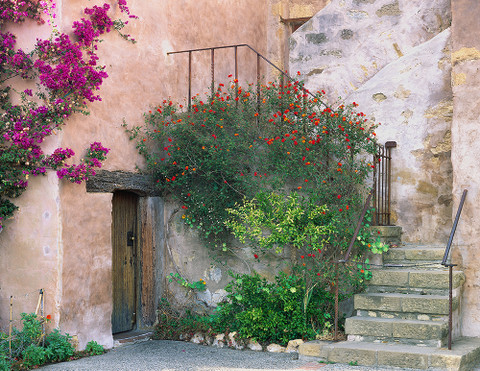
(465, 354)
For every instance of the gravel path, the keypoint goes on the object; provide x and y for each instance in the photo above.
(183, 356)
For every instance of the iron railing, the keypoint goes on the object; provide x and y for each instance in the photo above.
(382, 183)
(235, 47)
(450, 266)
(346, 258)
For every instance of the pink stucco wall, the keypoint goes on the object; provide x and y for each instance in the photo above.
(60, 239)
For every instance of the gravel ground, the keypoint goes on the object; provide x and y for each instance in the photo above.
(183, 356)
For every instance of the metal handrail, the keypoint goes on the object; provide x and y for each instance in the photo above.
(235, 47)
(454, 228)
(450, 268)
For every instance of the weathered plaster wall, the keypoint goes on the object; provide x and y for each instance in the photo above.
(30, 247)
(392, 57)
(61, 238)
(466, 152)
(279, 32)
(349, 41)
(139, 75)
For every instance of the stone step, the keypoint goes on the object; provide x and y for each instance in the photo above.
(414, 254)
(465, 354)
(422, 281)
(431, 333)
(404, 303)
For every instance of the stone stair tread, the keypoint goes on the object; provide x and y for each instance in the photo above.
(397, 328)
(404, 303)
(464, 355)
(401, 295)
(415, 278)
(397, 320)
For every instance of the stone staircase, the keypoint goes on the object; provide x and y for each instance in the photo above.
(402, 318)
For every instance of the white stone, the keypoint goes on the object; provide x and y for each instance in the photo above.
(232, 341)
(292, 346)
(254, 345)
(275, 348)
(219, 341)
(197, 338)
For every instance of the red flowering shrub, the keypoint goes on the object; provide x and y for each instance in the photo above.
(230, 146)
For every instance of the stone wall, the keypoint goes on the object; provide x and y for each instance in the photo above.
(466, 152)
(392, 57)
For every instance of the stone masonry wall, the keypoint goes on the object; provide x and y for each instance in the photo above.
(392, 57)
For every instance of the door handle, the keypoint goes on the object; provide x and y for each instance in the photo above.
(130, 238)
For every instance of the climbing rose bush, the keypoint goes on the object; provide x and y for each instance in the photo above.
(65, 71)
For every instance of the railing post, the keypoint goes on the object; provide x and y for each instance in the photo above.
(236, 74)
(213, 70)
(258, 82)
(189, 80)
(335, 337)
(450, 304)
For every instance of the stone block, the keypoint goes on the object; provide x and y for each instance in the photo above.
(394, 255)
(424, 254)
(369, 326)
(448, 361)
(389, 278)
(403, 359)
(434, 279)
(427, 304)
(421, 330)
(385, 302)
(365, 357)
(314, 348)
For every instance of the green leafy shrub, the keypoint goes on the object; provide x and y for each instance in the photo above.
(59, 346)
(34, 355)
(272, 312)
(93, 348)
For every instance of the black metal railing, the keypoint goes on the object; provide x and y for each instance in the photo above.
(382, 183)
(450, 266)
(259, 57)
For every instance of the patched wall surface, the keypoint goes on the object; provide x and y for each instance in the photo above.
(392, 57)
(61, 238)
(466, 153)
(349, 41)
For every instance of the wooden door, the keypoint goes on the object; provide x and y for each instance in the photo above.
(124, 243)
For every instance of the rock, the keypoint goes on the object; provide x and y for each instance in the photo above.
(254, 345)
(197, 338)
(275, 348)
(292, 346)
(208, 340)
(219, 341)
(232, 341)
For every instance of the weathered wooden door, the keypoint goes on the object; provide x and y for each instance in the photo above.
(124, 232)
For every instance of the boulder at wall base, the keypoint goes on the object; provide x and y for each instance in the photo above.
(275, 348)
(292, 346)
(219, 341)
(197, 338)
(232, 341)
(254, 345)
